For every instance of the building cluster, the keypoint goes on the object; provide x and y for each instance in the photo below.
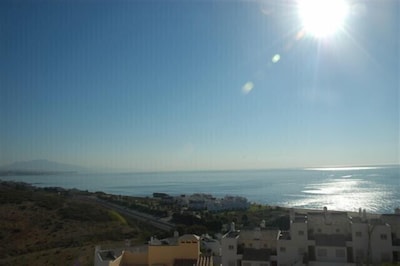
(315, 238)
(200, 201)
(210, 203)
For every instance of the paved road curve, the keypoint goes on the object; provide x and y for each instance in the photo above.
(143, 217)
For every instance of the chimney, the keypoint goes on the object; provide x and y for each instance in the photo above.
(262, 224)
(291, 212)
(233, 226)
(327, 216)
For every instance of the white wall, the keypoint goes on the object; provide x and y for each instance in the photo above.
(229, 251)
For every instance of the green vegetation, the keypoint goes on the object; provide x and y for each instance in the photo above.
(212, 222)
(84, 212)
(57, 227)
(203, 221)
(145, 205)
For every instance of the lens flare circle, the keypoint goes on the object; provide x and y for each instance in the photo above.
(322, 18)
(247, 87)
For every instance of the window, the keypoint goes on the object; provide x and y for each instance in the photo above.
(319, 230)
(231, 247)
(358, 234)
(301, 233)
(337, 230)
(383, 237)
(340, 253)
(322, 252)
(282, 249)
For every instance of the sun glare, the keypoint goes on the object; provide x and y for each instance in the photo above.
(322, 18)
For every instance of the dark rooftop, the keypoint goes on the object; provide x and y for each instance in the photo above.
(107, 255)
(397, 215)
(331, 213)
(357, 219)
(232, 234)
(300, 219)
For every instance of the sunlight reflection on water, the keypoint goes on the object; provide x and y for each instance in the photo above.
(344, 194)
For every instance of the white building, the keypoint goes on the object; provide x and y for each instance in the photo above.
(372, 240)
(201, 201)
(256, 247)
(394, 221)
(211, 246)
(259, 238)
(229, 248)
(335, 238)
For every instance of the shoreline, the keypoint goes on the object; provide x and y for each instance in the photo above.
(297, 209)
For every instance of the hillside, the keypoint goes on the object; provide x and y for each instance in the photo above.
(41, 166)
(57, 227)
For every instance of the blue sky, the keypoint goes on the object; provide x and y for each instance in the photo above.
(158, 85)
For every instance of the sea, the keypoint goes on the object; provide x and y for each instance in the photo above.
(376, 189)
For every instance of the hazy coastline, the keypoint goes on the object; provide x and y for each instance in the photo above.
(376, 189)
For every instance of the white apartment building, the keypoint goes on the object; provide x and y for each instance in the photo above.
(255, 247)
(317, 238)
(201, 201)
(336, 238)
(394, 221)
(229, 248)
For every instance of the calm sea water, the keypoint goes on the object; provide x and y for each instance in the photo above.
(376, 189)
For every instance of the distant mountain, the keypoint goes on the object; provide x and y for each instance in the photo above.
(41, 166)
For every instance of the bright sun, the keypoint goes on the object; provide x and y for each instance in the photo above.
(322, 18)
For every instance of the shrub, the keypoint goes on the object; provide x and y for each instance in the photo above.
(117, 217)
(84, 212)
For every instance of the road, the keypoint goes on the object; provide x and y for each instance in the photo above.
(143, 217)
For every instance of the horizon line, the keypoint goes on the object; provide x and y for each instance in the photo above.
(321, 168)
